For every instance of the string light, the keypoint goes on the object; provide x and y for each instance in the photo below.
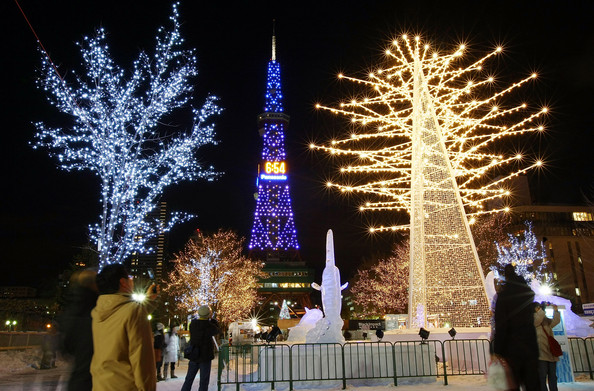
(116, 134)
(424, 141)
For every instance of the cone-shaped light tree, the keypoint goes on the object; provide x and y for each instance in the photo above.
(426, 138)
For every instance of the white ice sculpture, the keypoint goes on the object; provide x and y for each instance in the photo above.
(307, 322)
(574, 324)
(490, 286)
(329, 328)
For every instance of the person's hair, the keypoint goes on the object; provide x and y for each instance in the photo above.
(509, 272)
(108, 280)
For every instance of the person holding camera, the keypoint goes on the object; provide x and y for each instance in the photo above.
(202, 331)
(547, 362)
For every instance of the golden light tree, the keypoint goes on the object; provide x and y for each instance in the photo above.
(211, 270)
(383, 288)
(425, 138)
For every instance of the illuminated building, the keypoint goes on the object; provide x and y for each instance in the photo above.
(141, 263)
(568, 235)
(274, 237)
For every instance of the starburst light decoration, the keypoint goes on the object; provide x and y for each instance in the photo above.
(423, 141)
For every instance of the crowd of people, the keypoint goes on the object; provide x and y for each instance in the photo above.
(521, 335)
(108, 336)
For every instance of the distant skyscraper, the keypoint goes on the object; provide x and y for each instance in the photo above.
(273, 232)
(140, 264)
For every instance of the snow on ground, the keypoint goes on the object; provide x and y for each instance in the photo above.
(17, 374)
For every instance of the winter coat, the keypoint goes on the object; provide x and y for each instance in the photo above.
(76, 329)
(170, 354)
(544, 351)
(515, 336)
(158, 345)
(123, 341)
(201, 333)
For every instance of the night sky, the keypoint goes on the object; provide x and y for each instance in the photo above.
(45, 211)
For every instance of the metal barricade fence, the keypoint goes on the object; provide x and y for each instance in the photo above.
(317, 362)
(20, 340)
(466, 356)
(327, 362)
(416, 359)
(589, 343)
(368, 360)
(240, 364)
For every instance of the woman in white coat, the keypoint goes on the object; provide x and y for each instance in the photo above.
(170, 355)
(547, 363)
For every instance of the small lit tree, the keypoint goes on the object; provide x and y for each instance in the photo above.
(211, 270)
(383, 288)
(526, 253)
(284, 312)
(117, 132)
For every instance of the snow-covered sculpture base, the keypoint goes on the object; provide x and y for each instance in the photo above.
(298, 333)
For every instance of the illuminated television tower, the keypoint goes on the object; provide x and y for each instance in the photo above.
(273, 232)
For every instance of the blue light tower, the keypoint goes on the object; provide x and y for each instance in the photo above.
(273, 232)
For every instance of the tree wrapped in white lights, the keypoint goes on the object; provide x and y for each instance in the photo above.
(423, 140)
(526, 253)
(117, 132)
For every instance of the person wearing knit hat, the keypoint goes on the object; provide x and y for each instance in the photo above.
(202, 331)
(204, 312)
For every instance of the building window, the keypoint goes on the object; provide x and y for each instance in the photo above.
(582, 216)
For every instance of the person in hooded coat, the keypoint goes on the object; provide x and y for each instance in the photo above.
(123, 341)
(547, 363)
(515, 336)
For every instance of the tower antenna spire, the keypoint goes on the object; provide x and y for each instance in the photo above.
(273, 40)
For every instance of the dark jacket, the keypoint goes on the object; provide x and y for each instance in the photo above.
(515, 335)
(201, 333)
(159, 340)
(75, 326)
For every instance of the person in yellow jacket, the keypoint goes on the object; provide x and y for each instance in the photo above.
(547, 363)
(123, 357)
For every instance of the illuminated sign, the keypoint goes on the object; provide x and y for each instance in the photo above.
(275, 168)
(273, 177)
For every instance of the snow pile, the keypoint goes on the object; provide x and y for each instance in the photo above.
(21, 361)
